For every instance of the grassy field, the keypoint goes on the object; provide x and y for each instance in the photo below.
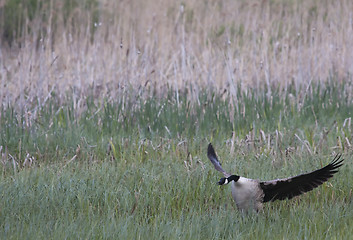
(107, 108)
(121, 171)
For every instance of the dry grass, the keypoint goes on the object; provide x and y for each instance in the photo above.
(144, 46)
(88, 150)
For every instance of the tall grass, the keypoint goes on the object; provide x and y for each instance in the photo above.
(144, 46)
(57, 129)
(158, 200)
(130, 170)
(107, 108)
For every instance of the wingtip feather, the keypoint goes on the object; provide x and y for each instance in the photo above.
(211, 151)
(337, 162)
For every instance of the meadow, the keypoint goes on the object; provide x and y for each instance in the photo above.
(107, 108)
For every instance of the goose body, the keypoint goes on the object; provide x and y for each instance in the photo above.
(247, 194)
(251, 194)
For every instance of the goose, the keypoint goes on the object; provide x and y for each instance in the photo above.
(251, 194)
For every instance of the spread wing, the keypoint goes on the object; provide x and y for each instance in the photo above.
(213, 158)
(281, 189)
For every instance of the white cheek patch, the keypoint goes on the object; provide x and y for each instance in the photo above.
(226, 181)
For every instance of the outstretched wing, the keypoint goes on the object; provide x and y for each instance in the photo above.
(213, 158)
(281, 189)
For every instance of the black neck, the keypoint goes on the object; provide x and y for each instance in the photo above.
(234, 178)
(227, 180)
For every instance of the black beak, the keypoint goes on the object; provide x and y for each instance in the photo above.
(222, 181)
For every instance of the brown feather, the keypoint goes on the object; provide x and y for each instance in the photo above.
(281, 189)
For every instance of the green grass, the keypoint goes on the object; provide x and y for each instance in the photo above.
(159, 199)
(138, 168)
(107, 108)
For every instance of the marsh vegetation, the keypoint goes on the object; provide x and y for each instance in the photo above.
(107, 108)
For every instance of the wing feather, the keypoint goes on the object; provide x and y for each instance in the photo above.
(281, 189)
(211, 154)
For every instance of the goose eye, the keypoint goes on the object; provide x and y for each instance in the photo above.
(223, 181)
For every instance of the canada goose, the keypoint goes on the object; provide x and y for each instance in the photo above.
(251, 194)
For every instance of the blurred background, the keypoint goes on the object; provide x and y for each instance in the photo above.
(110, 49)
